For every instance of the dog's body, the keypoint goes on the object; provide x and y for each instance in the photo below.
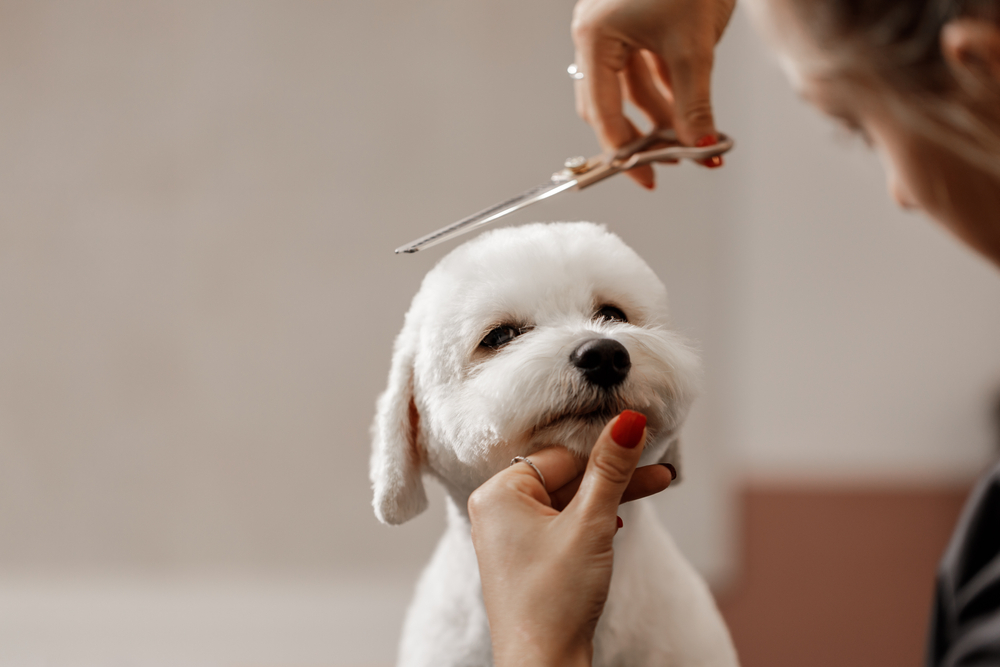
(523, 338)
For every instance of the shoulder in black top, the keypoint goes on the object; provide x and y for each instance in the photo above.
(965, 622)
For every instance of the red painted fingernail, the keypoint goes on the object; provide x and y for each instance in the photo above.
(709, 140)
(628, 428)
(673, 470)
(621, 524)
(645, 179)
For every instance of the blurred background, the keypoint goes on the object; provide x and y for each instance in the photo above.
(198, 297)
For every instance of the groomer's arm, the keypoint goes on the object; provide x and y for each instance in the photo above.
(546, 573)
(656, 53)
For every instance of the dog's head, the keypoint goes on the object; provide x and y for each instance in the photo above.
(522, 338)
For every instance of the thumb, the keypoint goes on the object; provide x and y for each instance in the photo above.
(611, 464)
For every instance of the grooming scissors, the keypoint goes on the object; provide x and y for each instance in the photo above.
(578, 173)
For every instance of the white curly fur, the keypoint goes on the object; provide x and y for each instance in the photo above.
(459, 412)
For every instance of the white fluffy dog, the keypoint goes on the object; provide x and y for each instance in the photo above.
(522, 338)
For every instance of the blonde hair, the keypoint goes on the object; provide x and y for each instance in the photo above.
(896, 45)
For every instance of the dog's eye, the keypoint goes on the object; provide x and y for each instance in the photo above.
(501, 335)
(610, 314)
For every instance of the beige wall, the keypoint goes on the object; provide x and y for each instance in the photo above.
(198, 295)
(870, 346)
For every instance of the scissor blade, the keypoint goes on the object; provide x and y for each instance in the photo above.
(487, 215)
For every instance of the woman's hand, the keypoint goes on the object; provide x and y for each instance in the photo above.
(656, 53)
(546, 573)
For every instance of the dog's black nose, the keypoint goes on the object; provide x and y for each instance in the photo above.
(603, 361)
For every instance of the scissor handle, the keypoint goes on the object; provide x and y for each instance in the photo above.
(677, 151)
(657, 135)
(635, 154)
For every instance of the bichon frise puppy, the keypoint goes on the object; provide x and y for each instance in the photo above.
(522, 338)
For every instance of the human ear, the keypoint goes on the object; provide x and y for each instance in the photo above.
(971, 48)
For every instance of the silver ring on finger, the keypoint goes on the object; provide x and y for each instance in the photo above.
(525, 459)
(574, 72)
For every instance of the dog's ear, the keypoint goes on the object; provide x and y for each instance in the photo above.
(672, 455)
(397, 450)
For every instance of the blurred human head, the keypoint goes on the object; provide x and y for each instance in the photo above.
(920, 81)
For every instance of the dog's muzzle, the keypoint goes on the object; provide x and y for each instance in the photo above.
(603, 362)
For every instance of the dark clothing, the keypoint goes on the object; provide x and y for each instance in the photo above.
(965, 622)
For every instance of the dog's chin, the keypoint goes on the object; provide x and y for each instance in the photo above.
(576, 430)
(574, 433)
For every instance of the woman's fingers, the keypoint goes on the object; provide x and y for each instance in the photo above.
(640, 87)
(609, 469)
(581, 91)
(628, 39)
(600, 94)
(689, 78)
(563, 472)
(561, 497)
(642, 90)
(518, 490)
(644, 175)
(557, 465)
(646, 481)
(603, 96)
